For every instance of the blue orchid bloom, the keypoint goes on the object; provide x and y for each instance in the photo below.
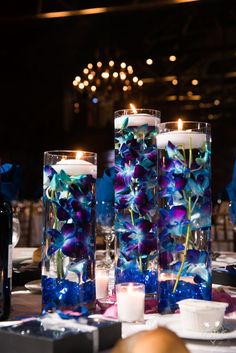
(138, 239)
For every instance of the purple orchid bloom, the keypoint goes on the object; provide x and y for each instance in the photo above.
(175, 220)
(170, 184)
(169, 165)
(70, 240)
(138, 239)
(128, 153)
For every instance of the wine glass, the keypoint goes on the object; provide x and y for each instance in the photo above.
(105, 226)
(15, 230)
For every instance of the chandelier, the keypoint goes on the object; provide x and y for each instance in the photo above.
(102, 79)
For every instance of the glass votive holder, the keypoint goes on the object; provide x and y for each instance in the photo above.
(130, 301)
(101, 282)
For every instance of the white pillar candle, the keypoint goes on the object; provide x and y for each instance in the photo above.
(76, 167)
(137, 120)
(181, 137)
(130, 301)
(101, 282)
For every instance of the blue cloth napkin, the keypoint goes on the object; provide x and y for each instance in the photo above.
(105, 197)
(105, 186)
(10, 181)
(231, 189)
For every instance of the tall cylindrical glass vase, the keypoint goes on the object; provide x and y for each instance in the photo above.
(68, 257)
(136, 197)
(184, 179)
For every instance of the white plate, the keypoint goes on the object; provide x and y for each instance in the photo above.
(22, 254)
(8, 323)
(34, 286)
(229, 333)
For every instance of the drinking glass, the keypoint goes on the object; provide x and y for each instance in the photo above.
(105, 226)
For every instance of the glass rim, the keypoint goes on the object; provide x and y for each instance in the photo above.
(153, 112)
(133, 284)
(169, 125)
(201, 123)
(61, 152)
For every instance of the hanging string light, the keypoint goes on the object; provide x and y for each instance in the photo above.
(106, 77)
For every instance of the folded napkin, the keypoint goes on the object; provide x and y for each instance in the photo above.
(231, 189)
(10, 181)
(220, 295)
(105, 186)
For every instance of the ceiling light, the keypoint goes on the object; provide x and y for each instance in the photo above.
(130, 69)
(195, 82)
(86, 71)
(111, 63)
(105, 74)
(90, 66)
(149, 61)
(122, 76)
(172, 58)
(216, 102)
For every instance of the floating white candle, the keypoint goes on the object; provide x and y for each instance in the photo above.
(181, 138)
(130, 301)
(137, 120)
(101, 280)
(76, 167)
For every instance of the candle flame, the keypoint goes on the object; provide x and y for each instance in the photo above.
(180, 124)
(79, 154)
(133, 108)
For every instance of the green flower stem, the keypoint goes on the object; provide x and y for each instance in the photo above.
(186, 245)
(59, 255)
(131, 211)
(59, 261)
(190, 153)
(189, 213)
(132, 216)
(140, 264)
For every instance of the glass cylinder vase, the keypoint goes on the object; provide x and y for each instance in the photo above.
(68, 256)
(184, 180)
(136, 197)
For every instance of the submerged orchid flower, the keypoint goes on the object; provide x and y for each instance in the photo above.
(138, 239)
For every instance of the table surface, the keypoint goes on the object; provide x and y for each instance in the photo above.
(25, 304)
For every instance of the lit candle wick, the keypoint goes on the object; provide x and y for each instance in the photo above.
(133, 108)
(79, 154)
(180, 124)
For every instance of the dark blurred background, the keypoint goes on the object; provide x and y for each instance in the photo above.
(46, 45)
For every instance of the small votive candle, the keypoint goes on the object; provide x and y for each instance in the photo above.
(130, 301)
(102, 281)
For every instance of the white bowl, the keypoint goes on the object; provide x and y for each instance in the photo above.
(202, 315)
